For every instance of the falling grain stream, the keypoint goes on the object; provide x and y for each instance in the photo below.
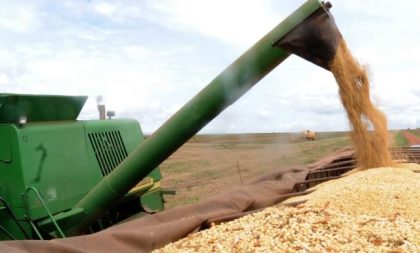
(369, 126)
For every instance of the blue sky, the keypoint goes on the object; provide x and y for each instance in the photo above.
(148, 58)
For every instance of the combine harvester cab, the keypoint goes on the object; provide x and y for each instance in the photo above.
(49, 161)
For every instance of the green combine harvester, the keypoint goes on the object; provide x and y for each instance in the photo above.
(62, 177)
(49, 161)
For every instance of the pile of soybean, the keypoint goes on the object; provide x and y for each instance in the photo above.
(375, 210)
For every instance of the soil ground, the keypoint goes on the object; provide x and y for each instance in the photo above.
(411, 138)
(209, 164)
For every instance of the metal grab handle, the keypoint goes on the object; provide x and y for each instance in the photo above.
(46, 209)
(35, 229)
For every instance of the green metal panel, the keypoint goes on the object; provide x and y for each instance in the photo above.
(152, 201)
(11, 176)
(129, 131)
(11, 181)
(225, 89)
(54, 157)
(5, 150)
(60, 161)
(10, 225)
(36, 108)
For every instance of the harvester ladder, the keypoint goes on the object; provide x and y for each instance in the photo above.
(7, 233)
(10, 212)
(39, 197)
(35, 229)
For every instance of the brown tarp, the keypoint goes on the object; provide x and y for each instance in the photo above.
(156, 230)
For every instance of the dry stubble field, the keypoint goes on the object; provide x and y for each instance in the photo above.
(209, 164)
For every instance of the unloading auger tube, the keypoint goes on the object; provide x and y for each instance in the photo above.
(309, 32)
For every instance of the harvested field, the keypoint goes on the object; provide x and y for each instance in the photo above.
(209, 164)
(398, 139)
(411, 138)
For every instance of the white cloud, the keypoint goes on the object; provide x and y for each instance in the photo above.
(19, 17)
(119, 11)
(105, 8)
(238, 23)
(4, 79)
(148, 58)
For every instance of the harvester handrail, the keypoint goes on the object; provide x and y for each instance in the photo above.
(7, 207)
(35, 229)
(45, 207)
(7, 233)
